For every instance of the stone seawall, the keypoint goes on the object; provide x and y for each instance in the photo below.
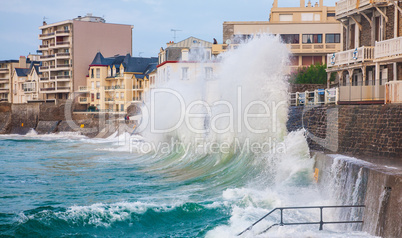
(47, 118)
(378, 186)
(366, 130)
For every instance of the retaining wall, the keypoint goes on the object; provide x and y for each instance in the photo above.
(48, 118)
(367, 130)
(375, 185)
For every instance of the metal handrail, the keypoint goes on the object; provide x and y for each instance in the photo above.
(321, 222)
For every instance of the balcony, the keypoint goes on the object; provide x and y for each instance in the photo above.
(43, 46)
(46, 35)
(358, 55)
(63, 88)
(117, 87)
(63, 44)
(47, 89)
(60, 33)
(4, 80)
(63, 55)
(393, 92)
(44, 67)
(346, 7)
(4, 90)
(3, 70)
(63, 78)
(47, 57)
(388, 49)
(314, 48)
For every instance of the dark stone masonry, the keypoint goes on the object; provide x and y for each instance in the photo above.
(365, 130)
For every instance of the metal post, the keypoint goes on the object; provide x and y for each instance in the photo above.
(281, 217)
(321, 222)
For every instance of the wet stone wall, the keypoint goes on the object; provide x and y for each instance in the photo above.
(368, 130)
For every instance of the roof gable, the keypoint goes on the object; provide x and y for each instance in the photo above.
(191, 42)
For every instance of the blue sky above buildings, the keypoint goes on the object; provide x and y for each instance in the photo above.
(152, 19)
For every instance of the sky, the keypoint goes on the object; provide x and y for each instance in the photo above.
(153, 20)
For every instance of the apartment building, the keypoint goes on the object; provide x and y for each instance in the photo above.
(369, 65)
(115, 83)
(186, 60)
(310, 31)
(6, 69)
(25, 82)
(68, 48)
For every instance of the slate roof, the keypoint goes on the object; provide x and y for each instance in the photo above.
(130, 64)
(22, 72)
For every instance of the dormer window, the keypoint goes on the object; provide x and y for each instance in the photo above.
(109, 72)
(122, 70)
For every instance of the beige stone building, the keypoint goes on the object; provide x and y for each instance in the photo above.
(6, 69)
(68, 48)
(115, 83)
(25, 82)
(369, 67)
(310, 31)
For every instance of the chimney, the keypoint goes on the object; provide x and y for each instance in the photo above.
(23, 62)
(321, 3)
(275, 4)
(302, 2)
(169, 43)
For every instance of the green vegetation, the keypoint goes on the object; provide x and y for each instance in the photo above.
(314, 74)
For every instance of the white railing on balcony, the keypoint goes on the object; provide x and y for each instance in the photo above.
(393, 92)
(344, 6)
(316, 97)
(388, 48)
(361, 54)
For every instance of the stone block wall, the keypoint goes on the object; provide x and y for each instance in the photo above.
(365, 34)
(366, 130)
(228, 31)
(389, 26)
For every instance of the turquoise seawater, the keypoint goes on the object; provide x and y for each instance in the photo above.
(74, 188)
(71, 186)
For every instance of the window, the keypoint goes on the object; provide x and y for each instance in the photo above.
(208, 73)
(312, 38)
(93, 85)
(92, 97)
(66, 28)
(307, 16)
(122, 95)
(184, 73)
(122, 107)
(285, 17)
(290, 38)
(332, 38)
(92, 73)
(97, 95)
(237, 39)
(97, 84)
(331, 14)
(97, 73)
